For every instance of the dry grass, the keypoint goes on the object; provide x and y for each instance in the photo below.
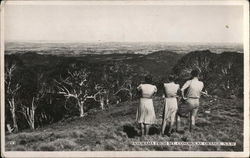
(115, 129)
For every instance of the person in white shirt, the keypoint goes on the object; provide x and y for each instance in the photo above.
(193, 94)
(145, 115)
(170, 107)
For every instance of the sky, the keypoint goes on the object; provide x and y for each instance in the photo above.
(124, 23)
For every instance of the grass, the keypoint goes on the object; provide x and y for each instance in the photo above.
(115, 130)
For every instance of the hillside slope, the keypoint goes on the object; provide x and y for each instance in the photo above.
(115, 130)
(222, 73)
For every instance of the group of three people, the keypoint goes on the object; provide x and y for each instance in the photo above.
(145, 112)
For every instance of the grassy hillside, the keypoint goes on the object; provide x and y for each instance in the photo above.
(115, 129)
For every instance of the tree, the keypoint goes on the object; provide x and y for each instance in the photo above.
(29, 110)
(11, 90)
(101, 96)
(126, 86)
(74, 85)
(121, 81)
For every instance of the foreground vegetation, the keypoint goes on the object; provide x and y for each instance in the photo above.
(115, 129)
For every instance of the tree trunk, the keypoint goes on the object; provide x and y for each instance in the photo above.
(13, 113)
(107, 103)
(102, 103)
(32, 114)
(32, 125)
(131, 95)
(14, 120)
(32, 119)
(80, 104)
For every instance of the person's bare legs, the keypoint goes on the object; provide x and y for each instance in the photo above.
(147, 126)
(194, 114)
(164, 124)
(178, 122)
(190, 121)
(142, 129)
(172, 122)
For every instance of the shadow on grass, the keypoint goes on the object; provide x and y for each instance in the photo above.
(130, 131)
(202, 124)
(154, 130)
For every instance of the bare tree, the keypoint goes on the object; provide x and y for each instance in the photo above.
(226, 69)
(29, 113)
(101, 96)
(29, 110)
(122, 79)
(126, 86)
(11, 90)
(75, 86)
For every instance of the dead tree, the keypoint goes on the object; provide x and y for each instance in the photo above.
(29, 110)
(75, 86)
(226, 69)
(11, 90)
(101, 96)
(29, 113)
(126, 86)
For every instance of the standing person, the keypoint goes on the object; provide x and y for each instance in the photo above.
(145, 112)
(170, 107)
(193, 95)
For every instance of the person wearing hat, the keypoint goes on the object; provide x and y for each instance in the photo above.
(145, 115)
(194, 90)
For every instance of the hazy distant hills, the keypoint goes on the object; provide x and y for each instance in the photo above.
(76, 49)
(158, 63)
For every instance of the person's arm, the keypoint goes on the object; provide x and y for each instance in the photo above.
(139, 91)
(155, 90)
(184, 87)
(178, 95)
(164, 91)
(178, 91)
(139, 87)
(203, 90)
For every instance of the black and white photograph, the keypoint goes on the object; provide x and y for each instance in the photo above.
(124, 78)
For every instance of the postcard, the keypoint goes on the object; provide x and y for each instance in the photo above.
(125, 78)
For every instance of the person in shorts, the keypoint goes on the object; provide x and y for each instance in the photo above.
(194, 90)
